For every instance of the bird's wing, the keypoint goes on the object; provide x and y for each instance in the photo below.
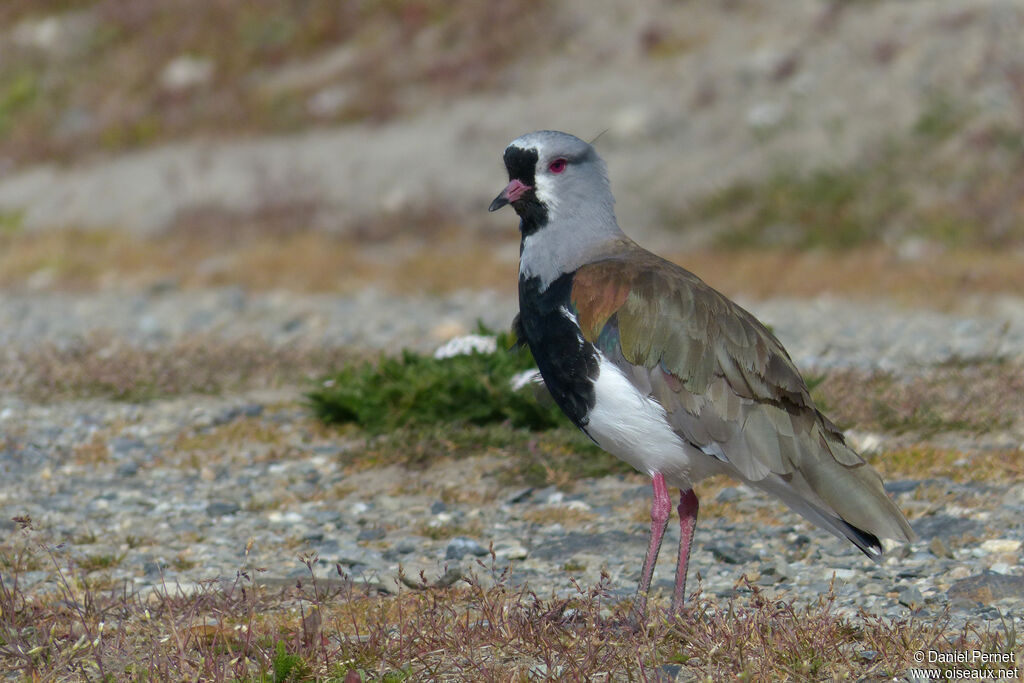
(728, 387)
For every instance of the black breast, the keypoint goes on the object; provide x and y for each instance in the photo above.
(568, 363)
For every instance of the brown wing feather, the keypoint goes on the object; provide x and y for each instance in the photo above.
(726, 382)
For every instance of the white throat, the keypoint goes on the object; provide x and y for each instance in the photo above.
(537, 260)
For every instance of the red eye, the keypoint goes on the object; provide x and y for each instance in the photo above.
(557, 166)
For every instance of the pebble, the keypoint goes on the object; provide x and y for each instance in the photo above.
(460, 547)
(910, 596)
(1000, 545)
(220, 508)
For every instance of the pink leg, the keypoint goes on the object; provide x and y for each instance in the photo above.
(688, 506)
(661, 507)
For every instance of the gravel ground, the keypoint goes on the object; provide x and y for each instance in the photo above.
(820, 334)
(175, 489)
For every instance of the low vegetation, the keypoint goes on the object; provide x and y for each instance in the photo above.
(330, 630)
(419, 409)
(413, 390)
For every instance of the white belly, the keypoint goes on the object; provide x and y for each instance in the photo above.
(634, 427)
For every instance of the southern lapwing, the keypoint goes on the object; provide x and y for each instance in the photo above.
(665, 372)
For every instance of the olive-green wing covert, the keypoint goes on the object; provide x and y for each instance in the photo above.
(727, 385)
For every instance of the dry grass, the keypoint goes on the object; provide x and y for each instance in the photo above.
(438, 254)
(260, 259)
(977, 398)
(330, 630)
(927, 462)
(940, 281)
(106, 367)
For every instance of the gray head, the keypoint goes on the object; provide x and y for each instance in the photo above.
(559, 187)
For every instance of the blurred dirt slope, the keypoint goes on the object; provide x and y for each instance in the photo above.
(398, 108)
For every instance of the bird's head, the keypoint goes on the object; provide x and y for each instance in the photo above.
(553, 176)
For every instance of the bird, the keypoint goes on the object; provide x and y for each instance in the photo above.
(666, 373)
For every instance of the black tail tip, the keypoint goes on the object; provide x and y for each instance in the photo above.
(867, 543)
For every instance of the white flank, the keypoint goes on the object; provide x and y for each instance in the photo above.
(635, 428)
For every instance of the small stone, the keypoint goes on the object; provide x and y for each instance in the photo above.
(153, 567)
(959, 572)
(988, 587)
(371, 534)
(519, 496)
(555, 498)
(1001, 545)
(1014, 496)
(185, 72)
(127, 469)
(779, 569)
(252, 410)
(290, 517)
(328, 547)
(121, 446)
(460, 547)
(910, 596)
(798, 540)
(946, 526)
(731, 555)
(939, 549)
(902, 486)
(542, 672)
(670, 672)
(34, 577)
(221, 508)
(843, 574)
(437, 507)
(511, 552)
